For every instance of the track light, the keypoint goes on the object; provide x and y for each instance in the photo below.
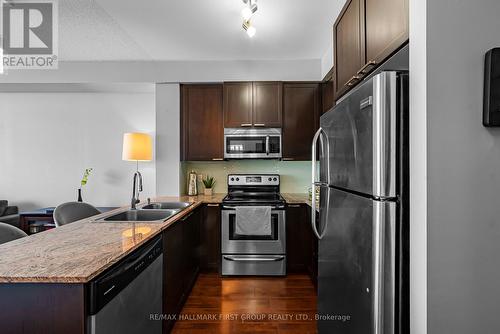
(249, 28)
(247, 13)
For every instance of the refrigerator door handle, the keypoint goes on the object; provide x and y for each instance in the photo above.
(383, 271)
(318, 135)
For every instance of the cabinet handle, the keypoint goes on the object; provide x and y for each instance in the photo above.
(246, 124)
(259, 124)
(217, 159)
(186, 216)
(352, 81)
(213, 205)
(287, 159)
(294, 205)
(370, 63)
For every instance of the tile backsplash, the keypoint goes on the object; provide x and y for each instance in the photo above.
(295, 175)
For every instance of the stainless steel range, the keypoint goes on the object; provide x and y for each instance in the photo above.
(253, 226)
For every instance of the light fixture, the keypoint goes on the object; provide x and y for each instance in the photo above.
(137, 147)
(249, 10)
(247, 13)
(249, 28)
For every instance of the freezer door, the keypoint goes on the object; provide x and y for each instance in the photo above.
(362, 133)
(356, 274)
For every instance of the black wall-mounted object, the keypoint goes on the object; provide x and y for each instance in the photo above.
(491, 101)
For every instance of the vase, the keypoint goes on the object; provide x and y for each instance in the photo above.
(80, 195)
(208, 191)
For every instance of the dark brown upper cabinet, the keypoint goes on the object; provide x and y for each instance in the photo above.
(252, 104)
(386, 28)
(301, 110)
(365, 34)
(349, 52)
(327, 99)
(202, 133)
(267, 97)
(237, 104)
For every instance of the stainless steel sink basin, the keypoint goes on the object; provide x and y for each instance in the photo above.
(143, 215)
(167, 205)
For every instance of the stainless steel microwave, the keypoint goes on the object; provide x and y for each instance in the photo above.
(252, 143)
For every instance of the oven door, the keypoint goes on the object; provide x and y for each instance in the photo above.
(233, 243)
(252, 143)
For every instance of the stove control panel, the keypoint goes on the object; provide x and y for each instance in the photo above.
(253, 180)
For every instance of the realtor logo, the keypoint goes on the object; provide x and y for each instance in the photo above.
(29, 30)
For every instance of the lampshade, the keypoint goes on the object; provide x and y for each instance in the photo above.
(137, 147)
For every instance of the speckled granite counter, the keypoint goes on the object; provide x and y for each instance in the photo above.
(78, 252)
(297, 198)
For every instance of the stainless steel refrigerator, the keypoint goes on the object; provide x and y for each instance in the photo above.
(360, 164)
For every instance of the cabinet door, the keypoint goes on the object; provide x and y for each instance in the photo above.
(267, 97)
(173, 272)
(301, 108)
(191, 249)
(210, 238)
(298, 239)
(349, 52)
(386, 28)
(237, 104)
(202, 122)
(327, 100)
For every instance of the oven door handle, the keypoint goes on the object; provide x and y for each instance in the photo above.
(267, 145)
(254, 259)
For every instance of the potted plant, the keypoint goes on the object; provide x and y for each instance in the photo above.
(83, 182)
(209, 183)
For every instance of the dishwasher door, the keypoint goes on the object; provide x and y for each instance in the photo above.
(137, 288)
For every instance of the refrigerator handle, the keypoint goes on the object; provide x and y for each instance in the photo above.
(378, 267)
(321, 135)
(317, 135)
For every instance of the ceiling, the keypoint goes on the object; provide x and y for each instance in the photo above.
(194, 30)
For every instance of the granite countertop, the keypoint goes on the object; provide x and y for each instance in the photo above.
(291, 198)
(78, 252)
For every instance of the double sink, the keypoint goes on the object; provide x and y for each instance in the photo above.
(151, 212)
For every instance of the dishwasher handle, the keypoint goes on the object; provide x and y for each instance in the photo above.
(107, 285)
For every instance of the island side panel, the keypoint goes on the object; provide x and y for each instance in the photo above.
(42, 308)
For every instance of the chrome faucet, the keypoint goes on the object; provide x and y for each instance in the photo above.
(136, 189)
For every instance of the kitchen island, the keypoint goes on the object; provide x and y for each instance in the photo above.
(44, 277)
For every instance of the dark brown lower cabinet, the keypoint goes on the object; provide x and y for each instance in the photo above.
(302, 245)
(42, 308)
(181, 249)
(210, 238)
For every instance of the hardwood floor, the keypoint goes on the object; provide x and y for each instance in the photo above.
(249, 305)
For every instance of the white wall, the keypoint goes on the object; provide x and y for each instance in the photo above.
(47, 140)
(168, 171)
(418, 167)
(463, 160)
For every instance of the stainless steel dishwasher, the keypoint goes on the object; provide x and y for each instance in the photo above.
(122, 299)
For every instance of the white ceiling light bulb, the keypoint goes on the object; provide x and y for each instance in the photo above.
(246, 13)
(249, 28)
(251, 31)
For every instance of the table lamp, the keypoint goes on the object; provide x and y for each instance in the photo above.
(137, 147)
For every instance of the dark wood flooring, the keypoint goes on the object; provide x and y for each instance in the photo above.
(249, 305)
